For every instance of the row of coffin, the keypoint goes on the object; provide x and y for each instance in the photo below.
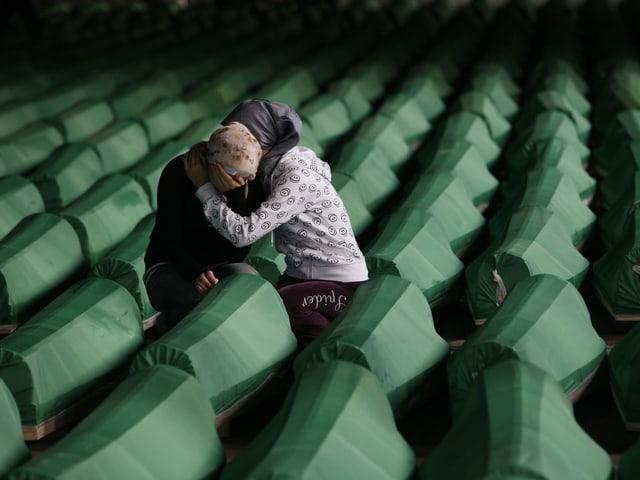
(512, 331)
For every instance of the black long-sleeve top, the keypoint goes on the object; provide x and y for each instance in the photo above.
(181, 235)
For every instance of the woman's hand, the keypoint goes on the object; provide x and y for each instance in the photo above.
(195, 166)
(205, 281)
(222, 180)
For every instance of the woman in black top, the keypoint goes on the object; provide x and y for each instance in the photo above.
(186, 256)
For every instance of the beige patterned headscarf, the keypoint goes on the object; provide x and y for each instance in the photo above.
(235, 147)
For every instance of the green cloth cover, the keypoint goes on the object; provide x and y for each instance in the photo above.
(609, 153)
(67, 174)
(533, 324)
(264, 257)
(85, 119)
(125, 264)
(624, 362)
(481, 104)
(107, 214)
(423, 89)
(165, 119)
(616, 274)
(465, 161)
(27, 148)
(493, 86)
(41, 253)
(19, 198)
(407, 114)
(556, 153)
(624, 163)
(156, 425)
(550, 188)
(535, 243)
(629, 463)
(335, 423)
(387, 328)
(120, 146)
(350, 193)
(14, 451)
(612, 222)
(148, 170)
(443, 195)
(516, 423)
(234, 339)
(472, 128)
(65, 350)
(328, 117)
(357, 105)
(385, 133)
(367, 165)
(15, 115)
(411, 244)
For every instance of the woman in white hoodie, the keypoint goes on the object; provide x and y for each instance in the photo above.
(309, 221)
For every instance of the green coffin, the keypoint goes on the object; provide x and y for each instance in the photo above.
(85, 119)
(367, 165)
(357, 105)
(67, 174)
(148, 170)
(516, 423)
(328, 117)
(19, 198)
(42, 253)
(411, 244)
(559, 154)
(616, 275)
(425, 92)
(368, 82)
(548, 124)
(472, 128)
(232, 342)
(335, 423)
(120, 146)
(125, 264)
(388, 329)
(15, 115)
(498, 90)
(535, 243)
(264, 257)
(533, 324)
(386, 134)
(629, 463)
(465, 161)
(156, 425)
(14, 451)
(165, 119)
(68, 347)
(624, 163)
(107, 214)
(443, 195)
(621, 130)
(28, 148)
(350, 192)
(612, 222)
(624, 361)
(407, 114)
(481, 104)
(548, 187)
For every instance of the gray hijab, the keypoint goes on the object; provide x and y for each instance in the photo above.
(275, 125)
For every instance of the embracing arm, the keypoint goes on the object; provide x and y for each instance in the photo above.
(281, 205)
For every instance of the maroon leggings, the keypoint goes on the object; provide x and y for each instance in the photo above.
(313, 304)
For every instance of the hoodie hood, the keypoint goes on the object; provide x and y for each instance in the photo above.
(275, 125)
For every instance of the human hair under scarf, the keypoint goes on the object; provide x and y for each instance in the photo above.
(275, 125)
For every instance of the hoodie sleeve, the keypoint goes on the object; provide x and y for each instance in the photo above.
(293, 191)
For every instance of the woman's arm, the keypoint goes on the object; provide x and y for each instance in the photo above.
(288, 198)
